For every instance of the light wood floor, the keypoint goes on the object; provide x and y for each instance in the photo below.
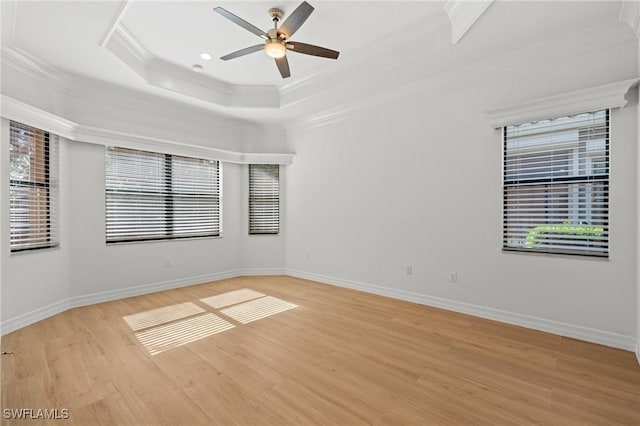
(341, 358)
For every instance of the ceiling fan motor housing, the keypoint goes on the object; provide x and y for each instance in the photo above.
(276, 14)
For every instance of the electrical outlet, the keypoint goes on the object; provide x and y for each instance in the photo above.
(409, 270)
(453, 277)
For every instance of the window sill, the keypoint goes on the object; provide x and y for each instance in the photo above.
(162, 240)
(599, 257)
(35, 250)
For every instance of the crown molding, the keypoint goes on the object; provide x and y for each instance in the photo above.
(421, 80)
(30, 65)
(123, 37)
(266, 159)
(106, 137)
(100, 136)
(115, 21)
(14, 109)
(169, 76)
(606, 96)
(349, 71)
(463, 14)
(630, 14)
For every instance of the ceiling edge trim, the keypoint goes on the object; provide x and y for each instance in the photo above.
(106, 137)
(267, 159)
(169, 76)
(393, 91)
(463, 14)
(630, 14)
(610, 95)
(364, 57)
(115, 21)
(32, 66)
(16, 110)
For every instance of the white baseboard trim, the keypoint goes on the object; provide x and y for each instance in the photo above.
(556, 327)
(250, 272)
(638, 351)
(107, 296)
(23, 320)
(36, 315)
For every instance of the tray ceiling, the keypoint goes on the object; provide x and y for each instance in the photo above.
(151, 46)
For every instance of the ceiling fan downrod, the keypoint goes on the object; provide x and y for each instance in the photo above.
(276, 15)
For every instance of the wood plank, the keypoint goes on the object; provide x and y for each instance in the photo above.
(341, 357)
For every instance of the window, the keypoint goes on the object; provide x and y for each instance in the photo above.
(556, 185)
(152, 196)
(33, 192)
(264, 199)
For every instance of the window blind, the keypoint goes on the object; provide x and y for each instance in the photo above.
(264, 199)
(556, 185)
(33, 188)
(154, 196)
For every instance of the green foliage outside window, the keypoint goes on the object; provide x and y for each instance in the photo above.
(538, 234)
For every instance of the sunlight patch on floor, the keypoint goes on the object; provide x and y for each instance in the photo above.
(165, 337)
(163, 315)
(257, 309)
(231, 298)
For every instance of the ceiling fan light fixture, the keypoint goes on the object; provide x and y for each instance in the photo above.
(275, 48)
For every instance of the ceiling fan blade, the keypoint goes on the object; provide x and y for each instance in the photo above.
(243, 52)
(296, 19)
(310, 49)
(239, 21)
(283, 67)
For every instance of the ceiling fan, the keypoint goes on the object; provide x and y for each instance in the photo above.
(277, 38)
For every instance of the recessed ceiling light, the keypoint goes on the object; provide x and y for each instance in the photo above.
(205, 56)
(197, 68)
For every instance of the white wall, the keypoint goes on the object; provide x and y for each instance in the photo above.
(97, 267)
(416, 180)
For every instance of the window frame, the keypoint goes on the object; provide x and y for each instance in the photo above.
(551, 182)
(49, 142)
(169, 202)
(251, 199)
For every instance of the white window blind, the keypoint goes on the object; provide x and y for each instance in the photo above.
(264, 199)
(556, 185)
(153, 196)
(33, 193)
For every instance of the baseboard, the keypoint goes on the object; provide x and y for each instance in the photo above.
(36, 315)
(638, 350)
(262, 271)
(563, 329)
(23, 320)
(107, 296)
